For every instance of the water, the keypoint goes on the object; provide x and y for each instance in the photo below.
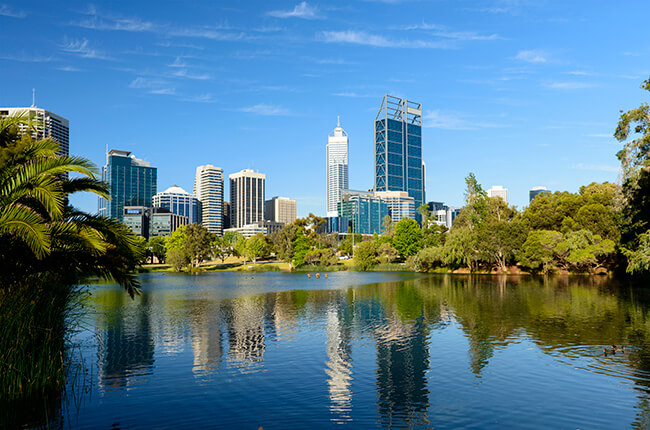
(280, 351)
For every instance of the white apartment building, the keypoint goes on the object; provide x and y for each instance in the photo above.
(400, 204)
(208, 190)
(48, 124)
(498, 191)
(246, 197)
(337, 167)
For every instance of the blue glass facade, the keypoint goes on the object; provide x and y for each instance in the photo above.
(132, 182)
(366, 214)
(398, 149)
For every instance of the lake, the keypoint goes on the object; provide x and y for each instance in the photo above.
(361, 350)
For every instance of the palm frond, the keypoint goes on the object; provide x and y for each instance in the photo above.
(23, 222)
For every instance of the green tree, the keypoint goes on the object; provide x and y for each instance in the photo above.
(461, 249)
(157, 246)
(639, 258)
(365, 254)
(427, 259)
(583, 251)
(176, 254)
(197, 243)
(282, 242)
(387, 253)
(323, 257)
(388, 227)
(300, 248)
(434, 235)
(538, 252)
(501, 234)
(240, 247)
(256, 247)
(408, 237)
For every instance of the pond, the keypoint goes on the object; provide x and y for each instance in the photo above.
(362, 350)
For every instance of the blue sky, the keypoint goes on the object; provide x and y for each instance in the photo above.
(520, 92)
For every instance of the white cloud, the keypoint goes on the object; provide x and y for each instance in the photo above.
(363, 38)
(602, 135)
(27, 58)
(153, 86)
(266, 110)
(8, 12)
(598, 167)
(201, 98)
(568, 85)
(183, 73)
(453, 121)
(302, 10)
(532, 56)
(82, 48)
(69, 69)
(444, 32)
(352, 94)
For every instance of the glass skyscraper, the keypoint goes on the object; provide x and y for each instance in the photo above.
(179, 202)
(365, 211)
(132, 182)
(398, 148)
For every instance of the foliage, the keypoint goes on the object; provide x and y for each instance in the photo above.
(427, 259)
(387, 253)
(300, 248)
(346, 246)
(282, 242)
(388, 227)
(256, 247)
(500, 234)
(583, 251)
(365, 254)
(197, 243)
(538, 252)
(408, 237)
(639, 258)
(321, 257)
(434, 235)
(156, 245)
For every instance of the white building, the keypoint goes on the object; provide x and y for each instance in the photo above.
(337, 167)
(208, 190)
(248, 230)
(280, 209)
(498, 191)
(246, 197)
(179, 202)
(400, 205)
(48, 124)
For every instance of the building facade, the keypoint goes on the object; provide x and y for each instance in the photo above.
(498, 191)
(400, 204)
(226, 215)
(248, 230)
(48, 124)
(337, 167)
(178, 201)
(208, 190)
(132, 182)
(398, 149)
(535, 192)
(280, 209)
(137, 218)
(164, 223)
(364, 210)
(246, 198)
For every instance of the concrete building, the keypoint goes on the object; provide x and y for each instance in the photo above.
(164, 223)
(365, 211)
(443, 214)
(48, 124)
(208, 190)
(246, 197)
(280, 209)
(398, 149)
(535, 192)
(132, 182)
(400, 204)
(337, 167)
(248, 230)
(498, 191)
(179, 202)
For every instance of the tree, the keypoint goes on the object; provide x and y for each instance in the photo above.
(427, 217)
(583, 251)
(365, 254)
(475, 202)
(300, 248)
(197, 243)
(388, 227)
(501, 234)
(323, 257)
(408, 237)
(538, 252)
(461, 248)
(176, 254)
(639, 258)
(220, 248)
(157, 246)
(282, 242)
(240, 246)
(387, 253)
(256, 247)
(427, 259)
(434, 235)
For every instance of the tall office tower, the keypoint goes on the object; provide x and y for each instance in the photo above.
(364, 211)
(337, 167)
(179, 202)
(132, 182)
(498, 191)
(280, 209)
(535, 192)
(398, 149)
(208, 189)
(48, 124)
(246, 198)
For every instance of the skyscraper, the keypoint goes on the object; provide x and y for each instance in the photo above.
(179, 202)
(337, 167)
(535, 192)
(398, 148)
(246, 198)
(498, 191)
(400, 204)
(132, 182)
(280, 209)
(48, 124)
(208, 189)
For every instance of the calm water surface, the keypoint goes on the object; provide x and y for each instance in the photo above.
(278, 350)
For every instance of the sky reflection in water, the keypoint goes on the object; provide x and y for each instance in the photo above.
(393, 350)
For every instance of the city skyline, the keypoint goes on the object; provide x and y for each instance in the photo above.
(499, 100)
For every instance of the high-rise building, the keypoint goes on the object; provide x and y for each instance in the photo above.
(364, 210)
(226, 215)
(280, 209)
(164, 223)
(137, 218)
(132, 182)
(498, 191)
(400, 204)
(47, 124)
(179, 202)
(535, 192)
(246, 198)
(398, 148)
(337, 167)
(208, 190)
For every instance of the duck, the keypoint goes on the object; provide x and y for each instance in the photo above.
(613, 350)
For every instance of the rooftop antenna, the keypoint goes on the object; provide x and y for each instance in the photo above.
(338, 121)
(33, 97)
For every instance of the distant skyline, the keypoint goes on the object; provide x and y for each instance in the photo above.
(523, 93)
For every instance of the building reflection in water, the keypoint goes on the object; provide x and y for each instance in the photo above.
(207, 349)
(246, 336)
(339, 366)
(125, 343)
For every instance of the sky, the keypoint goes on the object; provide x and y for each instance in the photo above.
(523, 93)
